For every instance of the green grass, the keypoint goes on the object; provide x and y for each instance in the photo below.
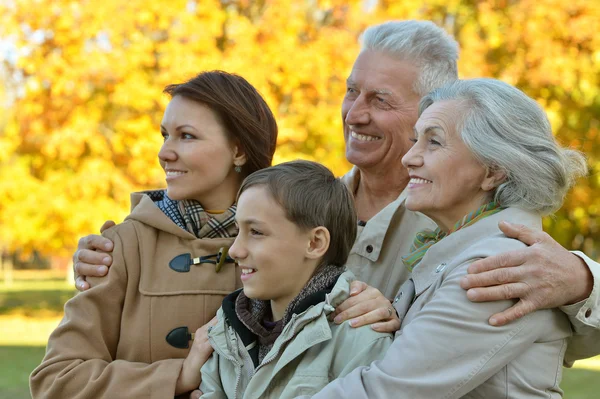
(17, 364)
(33, 297)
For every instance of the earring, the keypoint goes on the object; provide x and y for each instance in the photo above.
(238, 168)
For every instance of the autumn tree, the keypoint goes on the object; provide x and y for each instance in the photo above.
(84, 80)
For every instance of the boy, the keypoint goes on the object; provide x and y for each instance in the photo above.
(297, 224)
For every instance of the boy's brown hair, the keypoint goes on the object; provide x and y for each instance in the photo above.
(311, 196)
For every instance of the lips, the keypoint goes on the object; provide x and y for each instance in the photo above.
(363, 137)
(247, 270)
(418, 180)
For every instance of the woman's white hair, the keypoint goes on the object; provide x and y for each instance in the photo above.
(432, 50)
(509, 132)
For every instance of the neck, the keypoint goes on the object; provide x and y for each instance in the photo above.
(377, 190)
(222, 197)
(278, 309)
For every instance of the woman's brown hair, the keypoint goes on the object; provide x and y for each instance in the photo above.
(245, 115)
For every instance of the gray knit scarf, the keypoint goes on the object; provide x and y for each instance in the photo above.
(254, 313)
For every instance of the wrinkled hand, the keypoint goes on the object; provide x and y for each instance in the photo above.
(189, 376)
(542, 276)
(367, 305)
(92, 257)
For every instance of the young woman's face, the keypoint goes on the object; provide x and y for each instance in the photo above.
(197, 155)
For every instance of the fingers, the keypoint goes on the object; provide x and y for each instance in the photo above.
(357, 287)
(95, 242)
(196, 394)
(379, 315)
(107, 225)
(503, 260)
(498, 293)
(522, 233)
(390, 326)
(515, 312)
(91, 263)
(365, 295)
(504, 275)
(81, 284)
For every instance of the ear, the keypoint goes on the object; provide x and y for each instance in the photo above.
(239, 155)
(319, 243)
(494, 177)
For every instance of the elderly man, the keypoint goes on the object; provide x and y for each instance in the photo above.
(398, 64)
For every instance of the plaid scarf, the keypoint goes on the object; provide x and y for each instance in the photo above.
(191, 216)
(426, 238)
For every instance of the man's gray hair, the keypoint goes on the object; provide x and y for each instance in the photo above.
(432, 50)
(508, 131)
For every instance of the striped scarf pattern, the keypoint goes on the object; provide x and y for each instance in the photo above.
(426, 238)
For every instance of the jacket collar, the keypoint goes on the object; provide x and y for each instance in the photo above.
(144, 211)
(376, 228)
(472, 241)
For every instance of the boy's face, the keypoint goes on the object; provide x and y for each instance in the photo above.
(270, 250)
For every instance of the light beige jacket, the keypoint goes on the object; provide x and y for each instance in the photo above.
(112, 341)
(446, 347)
(375, 259)
(310, 352)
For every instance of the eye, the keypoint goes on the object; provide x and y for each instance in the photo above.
(434, 142)
(255, 232)
(413, 140)
(187, 136)
(164, 135)
(350, 90)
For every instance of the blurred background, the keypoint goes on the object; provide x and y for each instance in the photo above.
(81, 102)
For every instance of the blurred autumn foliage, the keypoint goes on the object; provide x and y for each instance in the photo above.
(82, 98)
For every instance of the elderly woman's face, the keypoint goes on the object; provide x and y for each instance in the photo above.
(446, 181)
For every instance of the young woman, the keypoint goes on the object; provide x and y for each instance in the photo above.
(128, 335)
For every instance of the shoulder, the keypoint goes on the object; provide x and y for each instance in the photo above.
(345, 334)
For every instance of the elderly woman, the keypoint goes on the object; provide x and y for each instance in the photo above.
(484, 152)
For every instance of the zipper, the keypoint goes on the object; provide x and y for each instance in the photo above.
(230, 358)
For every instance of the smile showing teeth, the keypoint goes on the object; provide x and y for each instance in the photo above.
(363, 137)
(175, 173)
(248, 271)
(416, 180)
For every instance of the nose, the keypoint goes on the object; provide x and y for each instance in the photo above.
(413, 158)
(167, 152)
(357, 111)
(237, 250)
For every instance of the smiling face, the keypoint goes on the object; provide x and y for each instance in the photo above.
(446, 180)
(379, 111)
(273, 253)
(197, 155)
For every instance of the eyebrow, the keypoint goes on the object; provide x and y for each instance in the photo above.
(180, 127)
(350, 82)
(248, 221)
(428, 129)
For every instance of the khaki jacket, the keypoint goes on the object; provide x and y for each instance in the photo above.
(309, 353)
(446, 348)
(112, 341)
